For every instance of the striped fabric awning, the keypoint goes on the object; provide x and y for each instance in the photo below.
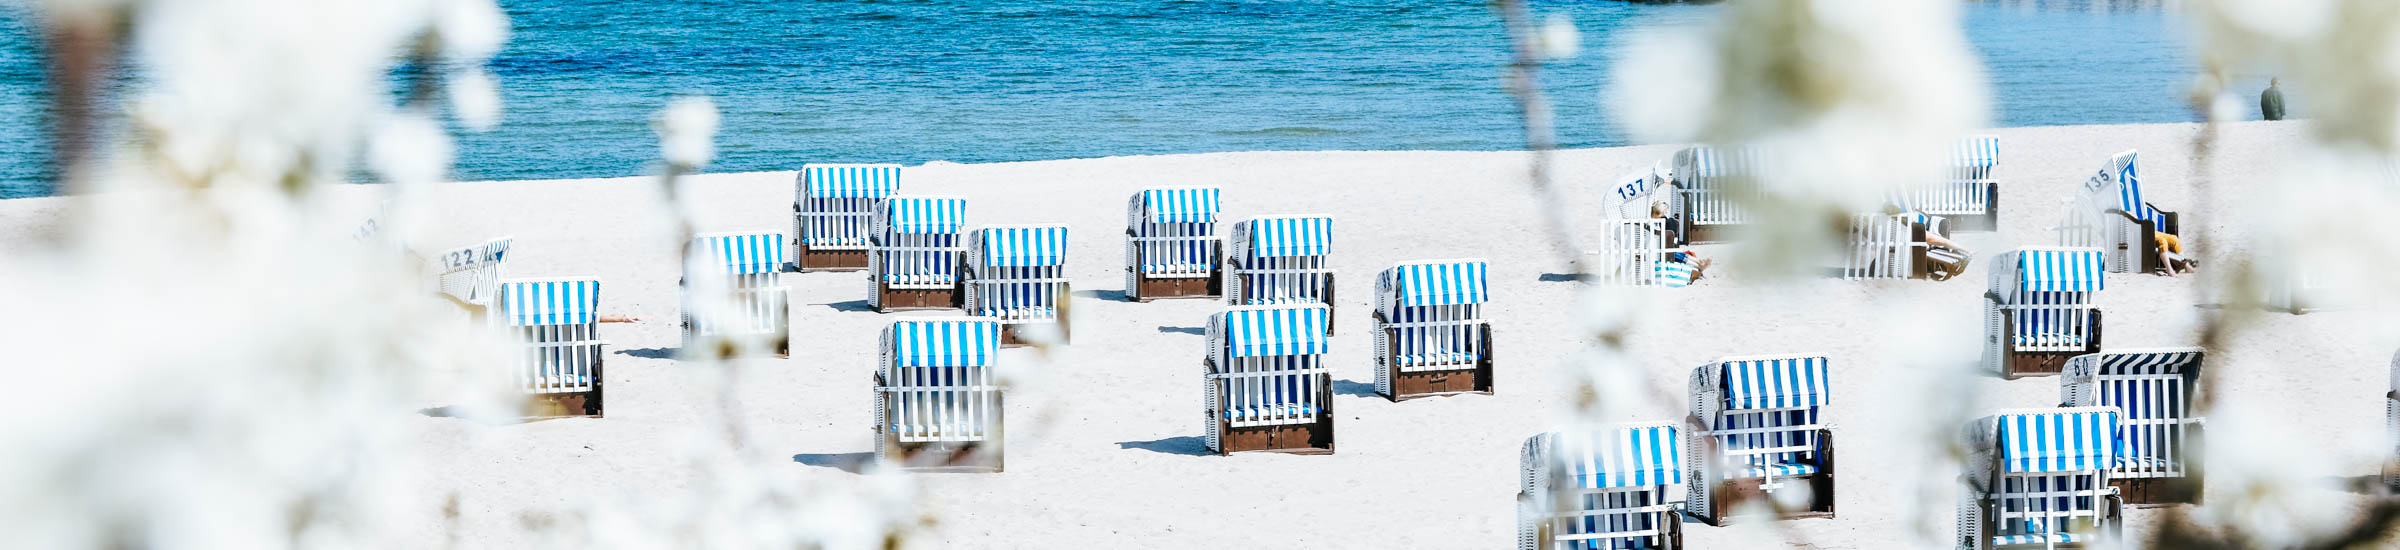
(946, 343)
(923, 215)
(1273, 331)
(2059, 270)
(1282, 237)
(1974, 157)
(550, 302)
(1442, 284)
(850, 181)
(2065, 441)
(2149, 362)
(1624, 457)
(1194, 205)
(1025, 246)
(2124, 173)
(1775, 383)
(742, 253)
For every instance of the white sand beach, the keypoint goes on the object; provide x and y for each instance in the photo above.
(1105, 449)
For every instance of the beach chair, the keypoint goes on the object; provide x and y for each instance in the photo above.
(2040, 479)
(1887, 246)
(1283, 260)
(1636, 252)
(2391, 425)
(937, 399)
(1431, 336)
(1716, 186)
(1968, 196)
(2160, 460)
(1268, 388)
(2039, 311)
(915, 254)
(1756, 429)
(831, 211)
(556, 324)
(471, 275)
(1611, 487)
(1017, 275)
(1171, 245)
(753, 306)
(2110, 214)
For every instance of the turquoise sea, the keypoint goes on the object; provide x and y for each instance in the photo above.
(970, 81)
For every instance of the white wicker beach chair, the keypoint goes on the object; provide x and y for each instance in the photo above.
(1886, 246)
(915, 255)
(1757, 430)
(937, 399)
(2041, 480)
(1017, 275)
(754, 309)
(1431, 336)
(1969, 196)
(2110, 214)
(2160, 463)
(1267, 384)
(1612, 487)
(1636, 252)
(1282, 260)
(471, 274)
(1716, 186)
(1171, 245)
(831, 209)
(556, 321)
(2039, 311)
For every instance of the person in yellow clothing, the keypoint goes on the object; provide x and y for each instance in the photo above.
(2170, 253)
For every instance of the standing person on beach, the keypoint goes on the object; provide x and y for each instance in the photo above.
(2270, 102)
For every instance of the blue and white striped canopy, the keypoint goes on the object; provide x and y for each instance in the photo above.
(742, 253)
(2068, 441)
(2124, 170)
(1776, 383)
(1974, 157)
(923, 215)
(2055, 270)
(548, 303)
(1441, 284)
(950, 343)
(1268, 332)
(1197, 205)
(1624, 457)
(2151, 362)
(1282, 237)
(850, 181)
(1025, 246)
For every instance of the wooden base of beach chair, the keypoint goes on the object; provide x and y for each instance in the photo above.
(1545, 537)
(563, 405)
(2158, 491)
(1412, 385)
(1727, 495)
(2019, 364)
(1300, 439)
(2112, 514)
(812, 261)
(1162, 288)
(1989, 220)
(913, 299)
(980, 457)
(1708, 233)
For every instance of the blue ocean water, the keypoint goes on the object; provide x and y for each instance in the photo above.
(969, 81)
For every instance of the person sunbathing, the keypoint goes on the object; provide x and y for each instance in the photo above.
(1658, 210)
(2170, 254)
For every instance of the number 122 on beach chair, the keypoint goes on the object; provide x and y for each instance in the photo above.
(832, 213)
(471, 274)
(1431, 335)
(1756, 430)
(1617, 486)
(1267, 387)
(937, 398)
(1171, 245)
(555, 324)
(2040, 479)
(2160, 463)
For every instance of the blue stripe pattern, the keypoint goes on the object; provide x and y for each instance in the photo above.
(2142, 400)
(1181, 205)
(1775, 383)
(944, 343)
(1626, 457)
(1271, 332)
(1286, 237)
(2075, 270)
(1445, 284)
(2051, 442)
(850, 181)
(1973, 158)
(2125, 168)
(549, 303)
(1024, 246)
(742, 254)
(924, 215)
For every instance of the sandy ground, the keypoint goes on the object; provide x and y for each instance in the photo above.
(1105, 445)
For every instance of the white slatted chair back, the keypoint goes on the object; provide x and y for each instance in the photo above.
(1882, 246)
(1266, 366)
(472, 274)
(1763, 413)
(2047, 293)
(2154, 388)
(2091, 219)
(917, 244)
(744, 270)
(1282, 260)
(1630, 198)
(556, 323)
(1017, 273)
(2046, 478)
(1717, 183)
(832, 203)
(1431, 316)
(1172, 232)
(1610, 487)
(1634, 253)
(1966, 188)
(935, 382)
